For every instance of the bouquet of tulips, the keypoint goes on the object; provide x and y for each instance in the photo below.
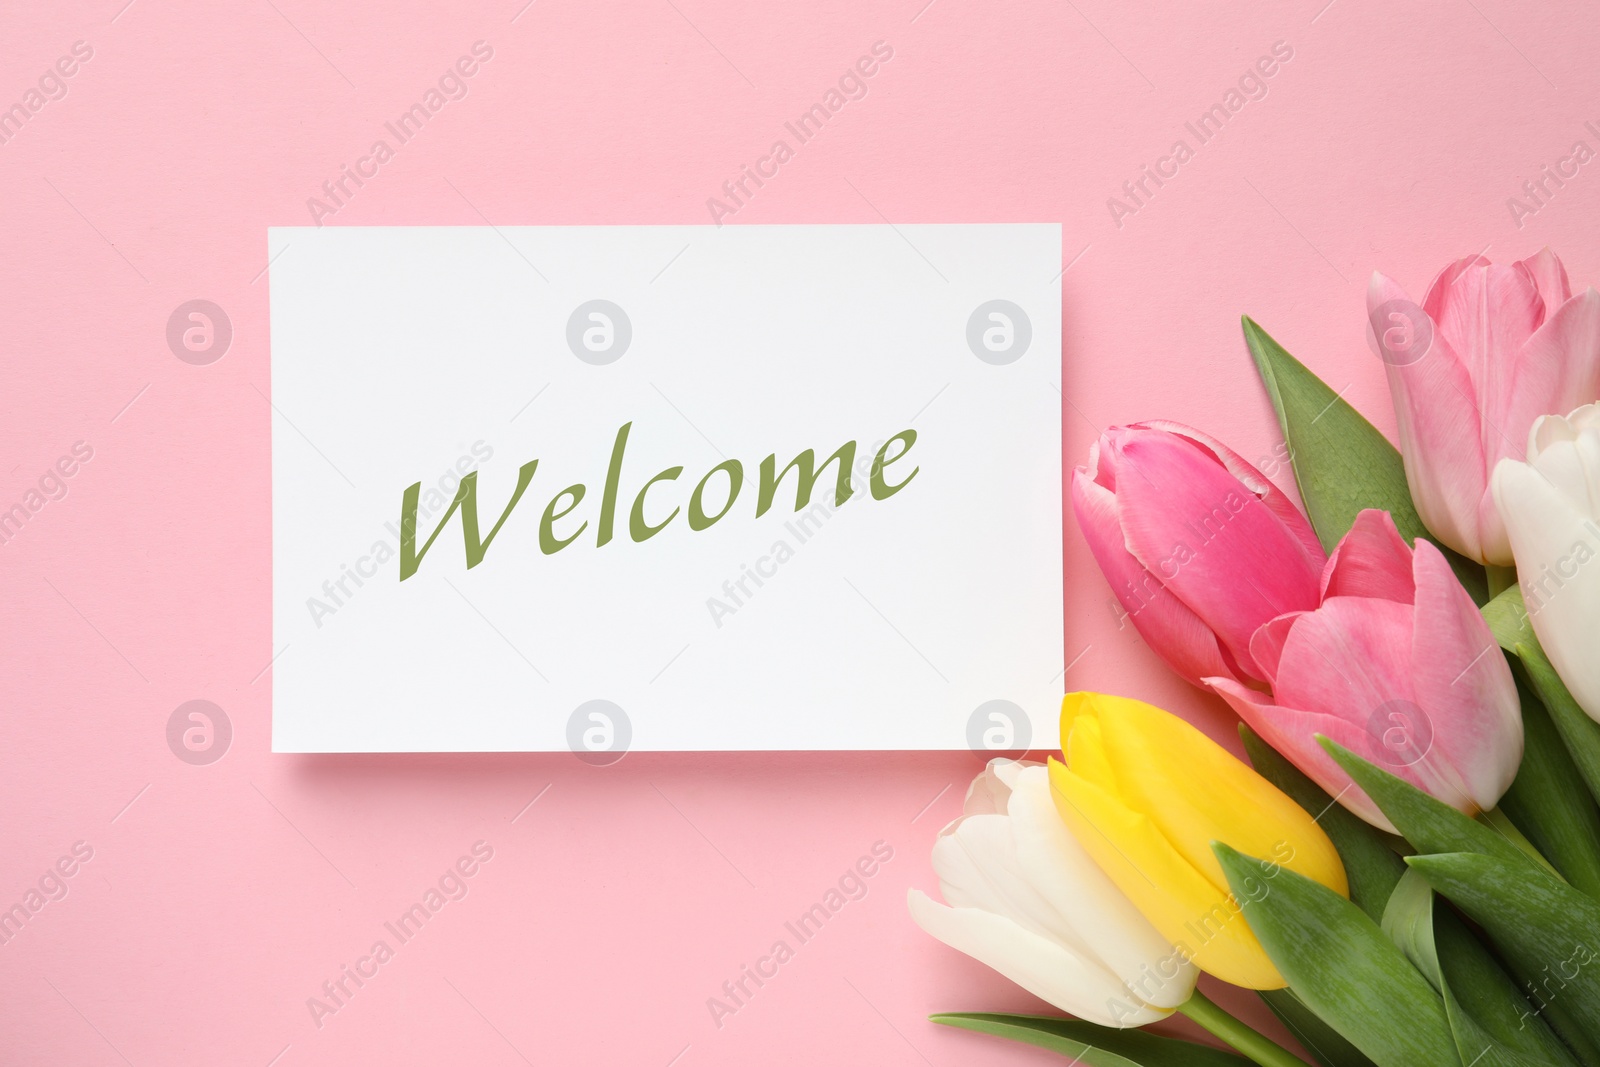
(1409, 870)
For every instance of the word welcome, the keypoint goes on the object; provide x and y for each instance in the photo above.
(52, 85)
(451, 85)
(51, 886)
(852, 885)
(1538, 190)
(452, 885)
(1252, 85)
(851, 86)
(640, 528)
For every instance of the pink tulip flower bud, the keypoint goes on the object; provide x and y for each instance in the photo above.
(1199, 546)
(1396, 665)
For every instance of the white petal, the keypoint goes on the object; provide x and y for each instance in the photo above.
(1557, 548)
(1037, 964)
(989, 791)
(1088, 909)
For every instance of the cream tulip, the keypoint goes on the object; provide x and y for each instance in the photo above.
(1551, 509)
(1026, 899)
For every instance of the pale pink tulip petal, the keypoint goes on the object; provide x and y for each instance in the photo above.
(1294, 733)
(1549, 277)
(1463, 684)
(1352, 657)
(1487, 315)
(1371, 560)
(1439, 288)
(1276, 500)
(1436, 413)
(1214, 544)
(1556, 371)
(1381, 290)
(1177, 635)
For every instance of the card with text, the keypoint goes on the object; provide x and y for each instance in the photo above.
(666, 488)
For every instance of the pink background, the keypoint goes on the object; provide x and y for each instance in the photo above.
(220, 897)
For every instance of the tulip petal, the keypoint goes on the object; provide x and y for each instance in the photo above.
(990, 791)
(1193, 524)
(1085, 751)
(1102, 918)
(1188, 909)
(1024, 865)
(1294, 733)
(1266, 644)
(1158, 758)
(1352, 659)
(1440, 428)
(1372, 560)
(1487, 314)
(1042, 967)
(1557, 370)
(1440, 287)
(1352, 653)
(1275, 499)
(1463, 684)
(1175, 633)
(1549, 276)
(1556, 548)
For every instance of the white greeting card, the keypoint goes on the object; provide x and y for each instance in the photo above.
(666, 488)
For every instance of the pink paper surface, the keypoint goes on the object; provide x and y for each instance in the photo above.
(219, 898)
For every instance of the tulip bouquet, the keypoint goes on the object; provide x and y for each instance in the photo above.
(1408, 869)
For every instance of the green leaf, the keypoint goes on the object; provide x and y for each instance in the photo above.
(1324, 1042)
(1549, 801)
(1342, 464)
(1094, 1046)
(1341, 965)
(1368, 853)
(1547, 930)
(1430, 825)
(1495, 1025)
(1507, 616)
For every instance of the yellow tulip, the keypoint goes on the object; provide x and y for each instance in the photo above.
(1146, 794)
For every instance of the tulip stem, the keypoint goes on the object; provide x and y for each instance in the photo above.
(1207, 1014)
(1500, 579)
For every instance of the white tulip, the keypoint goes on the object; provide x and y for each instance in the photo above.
(1028, 901)
(1551, 509)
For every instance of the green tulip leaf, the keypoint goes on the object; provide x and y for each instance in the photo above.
(1430, 825)
(1326, 1044)
(1549, 800)
(1094, 1046)
(1496, 1025)
(1341, 965)
(1342, 463)
(1368, 853)
(1546, 930)
(1507, 616)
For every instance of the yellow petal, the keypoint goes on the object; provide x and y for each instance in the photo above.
(1197, 792)
(1086, 753)
(1178, 900)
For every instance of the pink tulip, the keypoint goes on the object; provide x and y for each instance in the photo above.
(1491, 349)
(1199, 547)
(1396, 665)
